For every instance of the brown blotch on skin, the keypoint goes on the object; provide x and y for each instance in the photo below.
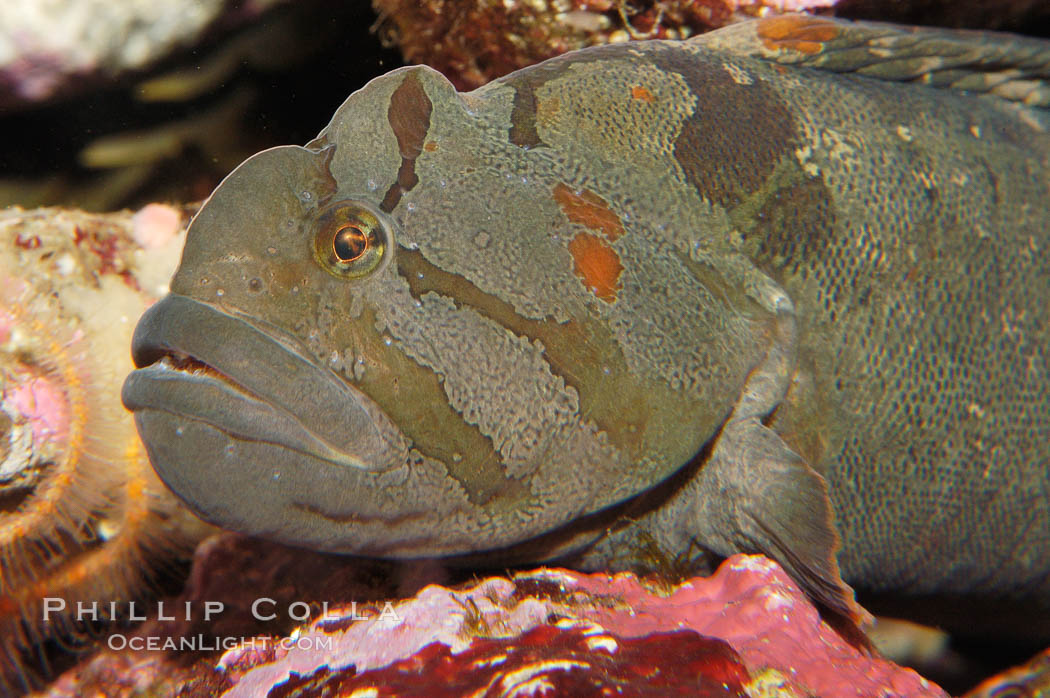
(730, 145)
(578, 352)
(526, 106)
(796, 224)
(350, 517)
(589, 210)
(640, 93)
(597, 265)
(523, 114)
(430, 146)
(414, 397)
(409, 117)
(324, 173)
(798, 33)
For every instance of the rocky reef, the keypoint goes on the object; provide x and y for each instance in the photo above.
(748, 630)
(82, 515)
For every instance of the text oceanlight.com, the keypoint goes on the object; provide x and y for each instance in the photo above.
(208, 643)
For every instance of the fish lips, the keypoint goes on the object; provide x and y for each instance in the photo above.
(213, 383)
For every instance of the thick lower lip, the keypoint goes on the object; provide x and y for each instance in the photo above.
(201, 363)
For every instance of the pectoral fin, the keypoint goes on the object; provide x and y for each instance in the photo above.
(770, 500)
(755, 494)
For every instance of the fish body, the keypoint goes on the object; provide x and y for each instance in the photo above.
(781, 288)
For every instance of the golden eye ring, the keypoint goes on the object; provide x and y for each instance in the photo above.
(352, 240)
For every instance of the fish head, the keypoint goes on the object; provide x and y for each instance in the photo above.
(252, 395)
(385, 342)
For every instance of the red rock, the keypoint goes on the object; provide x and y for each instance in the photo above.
(564, 660)
(750, 604)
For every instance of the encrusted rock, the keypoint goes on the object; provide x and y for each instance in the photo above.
(83, 518)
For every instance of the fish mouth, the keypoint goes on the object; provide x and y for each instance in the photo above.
(205, 367)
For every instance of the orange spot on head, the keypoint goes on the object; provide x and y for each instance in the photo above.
(597, 265)
(639, 92)
(430, 146)
(590, 210)
(798, 33)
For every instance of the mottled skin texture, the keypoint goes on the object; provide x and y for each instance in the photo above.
(831, 287)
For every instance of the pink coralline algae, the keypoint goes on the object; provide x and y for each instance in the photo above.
(155, 225)
(41, 400)
(748, 629)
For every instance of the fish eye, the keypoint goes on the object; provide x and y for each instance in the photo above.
(351, 241)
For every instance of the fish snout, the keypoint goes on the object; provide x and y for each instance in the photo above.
(234, 412)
